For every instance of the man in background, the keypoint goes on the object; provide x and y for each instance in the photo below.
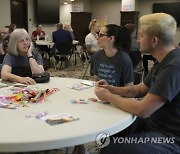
(5, 33)
(60, 36)
(38, 33)
(4, 39)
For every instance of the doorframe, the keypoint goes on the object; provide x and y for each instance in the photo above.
(25, 10)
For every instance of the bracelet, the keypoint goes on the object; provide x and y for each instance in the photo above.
(31, 57)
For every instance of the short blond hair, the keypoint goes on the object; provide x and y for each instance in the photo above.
(59, 26)
(92, 23)
(14, 38)
(161, 25)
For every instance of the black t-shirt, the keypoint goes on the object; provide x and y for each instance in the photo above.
(164, 80)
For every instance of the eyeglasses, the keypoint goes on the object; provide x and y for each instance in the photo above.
(102, 35)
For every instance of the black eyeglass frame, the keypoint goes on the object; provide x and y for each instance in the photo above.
(102, 35)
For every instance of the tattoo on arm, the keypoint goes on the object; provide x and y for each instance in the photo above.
(130, 90)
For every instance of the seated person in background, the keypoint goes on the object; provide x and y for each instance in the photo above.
(21, 61)
(38, 33)
(4, 39)
(112, 63)
(91, 42)
(157, 130)
(12, 27)
(5, 34)
(134, 52)
(61, 36)
(134, 44)
(69, 28)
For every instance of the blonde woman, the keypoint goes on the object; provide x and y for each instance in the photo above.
(69, 28)
(21, 61)
(91, 41)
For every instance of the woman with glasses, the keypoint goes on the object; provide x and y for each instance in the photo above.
(112, 63)
(21, 61)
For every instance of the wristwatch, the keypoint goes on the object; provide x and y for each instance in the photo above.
(31, 57)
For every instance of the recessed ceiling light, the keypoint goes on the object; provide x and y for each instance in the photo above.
(65, 3)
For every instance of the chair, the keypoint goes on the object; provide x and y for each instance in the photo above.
(147, 57)
(138, 73)
(63, 53)
(135, 57)
(88, 59)
(77, 52)
(44, 50)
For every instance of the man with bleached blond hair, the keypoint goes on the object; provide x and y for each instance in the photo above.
(157, 126)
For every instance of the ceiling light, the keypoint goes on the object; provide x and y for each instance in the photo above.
(65, 3)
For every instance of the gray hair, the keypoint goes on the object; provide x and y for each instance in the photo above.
(161, 25)
(14, 38)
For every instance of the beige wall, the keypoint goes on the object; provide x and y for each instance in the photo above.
(65, 11)
(87, 6)
(5, 14)
(145, 7)
(65, 15)
(31, 22)
(100, 9)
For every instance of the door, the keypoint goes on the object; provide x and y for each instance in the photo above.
(19, 13)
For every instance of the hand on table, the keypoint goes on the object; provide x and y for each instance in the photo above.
(102, 93)
(102, 84)
(27, 80)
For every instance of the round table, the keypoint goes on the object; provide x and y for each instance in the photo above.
(35, 135)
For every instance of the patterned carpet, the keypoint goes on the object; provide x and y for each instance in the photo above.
(72, 71)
